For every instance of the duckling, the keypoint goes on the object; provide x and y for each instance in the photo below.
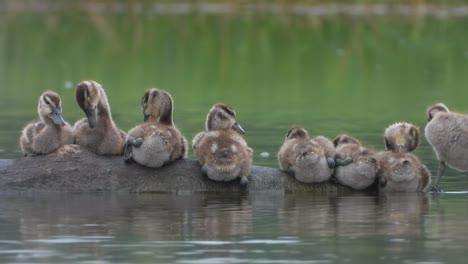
(357, 165)
(402, 172)
(157, 141)
(97, 132)
(447, 133)
(221, 149)
(401, 137)
(310, 160)
(51, 132)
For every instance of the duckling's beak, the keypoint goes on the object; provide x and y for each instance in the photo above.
(56, 116)
(402, 148)
(92, 116)
(238, 128)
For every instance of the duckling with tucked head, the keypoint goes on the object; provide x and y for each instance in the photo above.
(221, 149)
(51, 132)
(402, 172)
(310, 160)
(98, 132)
(447, 133)
(357, 165)
(401, 137)
(157, 141)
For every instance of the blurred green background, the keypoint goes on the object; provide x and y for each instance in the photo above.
(333, 67)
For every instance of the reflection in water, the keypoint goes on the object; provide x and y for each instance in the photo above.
(259, 227)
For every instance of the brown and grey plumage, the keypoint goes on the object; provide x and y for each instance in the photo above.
(98, 132)
(402, 172)
(51, 132)
(447, 133)
(157, 141)
(310, 160)
(221, 149)
(357, 166)
(401, 137)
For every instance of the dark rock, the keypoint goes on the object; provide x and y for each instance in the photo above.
(73, 169)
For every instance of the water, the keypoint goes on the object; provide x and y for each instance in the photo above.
(333, 69)
(258, 228)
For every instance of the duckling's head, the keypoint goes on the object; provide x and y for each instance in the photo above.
(345, 139)
(297, 132)
(433, 110)
(222, 117)
(49, 106)
(88, 96)
(401, 137)
(156, 104)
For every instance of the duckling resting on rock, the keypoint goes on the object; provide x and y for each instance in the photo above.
(310, 160)
(51, 132)
(157, 141)
(221, 150)
(357, 166)
(401, 171)
(447, 133)
(97, 132)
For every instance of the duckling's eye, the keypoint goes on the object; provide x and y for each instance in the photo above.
(221, 116)
(45, 100)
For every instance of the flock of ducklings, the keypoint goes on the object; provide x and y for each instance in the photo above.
(225, 156)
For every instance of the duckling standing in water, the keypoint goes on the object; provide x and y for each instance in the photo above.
(157, 141)
(447, 133)
(357, 166)
(51, 132)
(221, 150)
(310, 160)
(401, 137)
(97, 132)
(401, 171)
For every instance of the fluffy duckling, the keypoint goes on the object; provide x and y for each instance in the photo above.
(97, 132)
(402, 172)
(51, 132)
(401, 137)
(221, 150)
(447, 133)
(357, 165)
(157, 141)
(310, 160)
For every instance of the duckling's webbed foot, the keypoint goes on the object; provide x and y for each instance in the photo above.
(131, 141)
(331, 163)
(128, 148)
(137, 142)
(382, 182)
(244, 181)
(290, 171)
(436, 190)
(128, 158)
(343, 162)
(204, 170)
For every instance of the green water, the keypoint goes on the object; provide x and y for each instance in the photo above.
(330, 74)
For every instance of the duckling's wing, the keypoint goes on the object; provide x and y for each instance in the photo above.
(197, 139)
